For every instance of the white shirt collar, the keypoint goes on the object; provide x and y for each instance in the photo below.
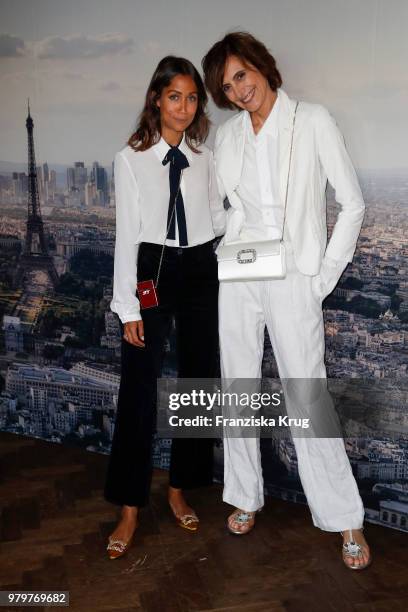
(161, 148)
(270, 127)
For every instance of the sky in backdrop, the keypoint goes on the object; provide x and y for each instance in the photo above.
(85, 65)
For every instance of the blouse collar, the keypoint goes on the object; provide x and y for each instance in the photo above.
(161, 148)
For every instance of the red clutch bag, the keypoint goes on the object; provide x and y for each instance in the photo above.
(147, 294)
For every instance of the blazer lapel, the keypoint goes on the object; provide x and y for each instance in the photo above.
(239, 135)
(285, 123)
(230, 155)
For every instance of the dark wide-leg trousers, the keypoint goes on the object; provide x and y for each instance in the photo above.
(188, 294)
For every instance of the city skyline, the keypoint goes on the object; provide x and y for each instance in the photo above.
(86, 69)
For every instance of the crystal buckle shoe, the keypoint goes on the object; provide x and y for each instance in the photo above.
(242, 518)
(352, 549)
(117, 548)
(188, 521)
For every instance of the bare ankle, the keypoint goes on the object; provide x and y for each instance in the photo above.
(176, 495)
(129, 513)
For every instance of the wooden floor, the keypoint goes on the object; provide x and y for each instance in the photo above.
(54, 525)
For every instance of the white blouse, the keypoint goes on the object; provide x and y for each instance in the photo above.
(142, 201)
(257, 187)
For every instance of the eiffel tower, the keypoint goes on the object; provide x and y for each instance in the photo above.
(34, 258)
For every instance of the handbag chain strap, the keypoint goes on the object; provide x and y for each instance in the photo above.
(290, 159)
(167, 231)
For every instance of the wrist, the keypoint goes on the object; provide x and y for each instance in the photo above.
(131, 319)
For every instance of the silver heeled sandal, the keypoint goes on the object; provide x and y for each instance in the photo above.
(353, 550)
(243, 518)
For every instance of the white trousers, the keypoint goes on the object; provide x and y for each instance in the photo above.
(293, 315)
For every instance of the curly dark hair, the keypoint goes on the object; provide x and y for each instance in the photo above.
(250, 51)
(148, 130)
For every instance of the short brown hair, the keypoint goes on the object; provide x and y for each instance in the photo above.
(249, 50)
(148, 129)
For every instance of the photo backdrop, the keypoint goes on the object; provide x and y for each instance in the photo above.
(84, 66)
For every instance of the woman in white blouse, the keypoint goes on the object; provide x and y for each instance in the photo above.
(165, 185)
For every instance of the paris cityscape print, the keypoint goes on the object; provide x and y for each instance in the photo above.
(60, 343)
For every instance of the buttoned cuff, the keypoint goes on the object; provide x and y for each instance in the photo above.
(126, 312)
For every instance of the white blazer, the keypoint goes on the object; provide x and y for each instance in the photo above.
(318, 155)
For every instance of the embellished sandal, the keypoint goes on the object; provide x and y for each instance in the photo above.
(117, 548)
(242, 518)
(188, 521)
(353, 550)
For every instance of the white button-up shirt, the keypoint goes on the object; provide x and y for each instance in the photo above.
(258, 187)
(142, 201)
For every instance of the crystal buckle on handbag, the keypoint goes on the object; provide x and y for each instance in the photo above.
(246, 260)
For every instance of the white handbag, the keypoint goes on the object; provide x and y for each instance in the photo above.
(256, 260)
(245, 261)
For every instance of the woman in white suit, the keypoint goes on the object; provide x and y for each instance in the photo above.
(254, 152)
